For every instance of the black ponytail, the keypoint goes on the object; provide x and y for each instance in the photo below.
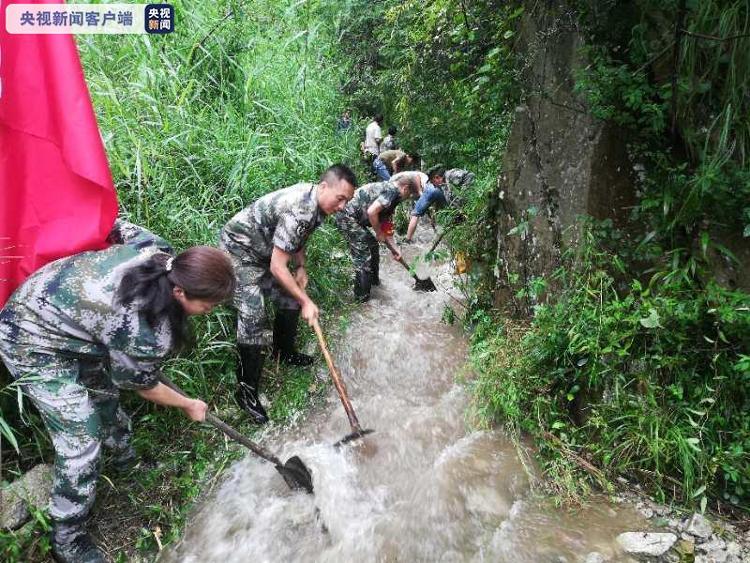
(202, 272)
(149, 289)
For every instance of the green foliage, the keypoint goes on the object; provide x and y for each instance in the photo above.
(688, 124)
(442, 72)
(30, 543)
(445, 74)
(647, 377)
(242, 100)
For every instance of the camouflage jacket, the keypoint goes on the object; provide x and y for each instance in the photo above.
(285, 218)
(125, 232)
(386, 193)
(456, 180)
(67, 308)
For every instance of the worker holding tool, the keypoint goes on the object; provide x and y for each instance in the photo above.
(390, 162)
(264, 240)
(373, 206)
(118, 305)
(442, 189)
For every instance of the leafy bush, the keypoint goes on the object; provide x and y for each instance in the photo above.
(648, 378)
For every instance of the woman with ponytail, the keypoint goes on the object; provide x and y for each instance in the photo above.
(116, 308)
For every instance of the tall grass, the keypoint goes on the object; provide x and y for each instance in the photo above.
(241, 100)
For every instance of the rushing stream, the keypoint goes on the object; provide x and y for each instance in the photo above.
(423, 487)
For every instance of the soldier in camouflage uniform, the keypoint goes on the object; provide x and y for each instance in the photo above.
(440, 190)
(263, 241)
(120, 307)
(125, 232)
(373, 206)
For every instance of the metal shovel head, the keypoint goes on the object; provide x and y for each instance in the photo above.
(296, 474)
(424, 285)
(356, 435)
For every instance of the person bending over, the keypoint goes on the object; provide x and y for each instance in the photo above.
(85, 327)
(264, 240)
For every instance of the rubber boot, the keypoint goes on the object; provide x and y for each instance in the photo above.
(71, 544)
(375, 267)
(249, 368)
(285, 336)
(362, 286)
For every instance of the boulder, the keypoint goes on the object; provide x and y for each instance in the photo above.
(560, 161)
(713, 551)
(699, 526)
(646, 543)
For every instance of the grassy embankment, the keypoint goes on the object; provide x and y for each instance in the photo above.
(241, 100)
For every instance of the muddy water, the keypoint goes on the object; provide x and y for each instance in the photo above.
(424, 487)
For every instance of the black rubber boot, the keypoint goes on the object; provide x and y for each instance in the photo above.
(71, 544)
(362, 286)
(285, 336)
(249, 368)
(375, 267)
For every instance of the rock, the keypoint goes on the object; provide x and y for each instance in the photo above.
(699, 526)
(713, 551)
(645, 510)
(734, 552)
(594, 557)
(686, 547)
(562, 163)
(646, 543)
(673, 524)
(33, 488)
(715, 544)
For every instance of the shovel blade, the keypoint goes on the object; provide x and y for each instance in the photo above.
(296, 474)
(424, 285)
(356, 435)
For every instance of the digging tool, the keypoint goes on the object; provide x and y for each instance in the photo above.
(419, 284)
(294, 472)
(357, 431)
(437, 241)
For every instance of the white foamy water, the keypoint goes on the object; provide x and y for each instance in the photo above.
(424, 487)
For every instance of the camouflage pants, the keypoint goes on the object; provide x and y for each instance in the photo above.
(362, 243)
(80, 408)
(255, 284)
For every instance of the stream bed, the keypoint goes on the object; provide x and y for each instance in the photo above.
(425, 486)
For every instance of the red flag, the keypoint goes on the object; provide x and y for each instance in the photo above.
(56, 192)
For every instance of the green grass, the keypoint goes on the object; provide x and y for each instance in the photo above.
(648, 381)
(197, 125)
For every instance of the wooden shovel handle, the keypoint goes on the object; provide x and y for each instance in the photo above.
(216, 422)
(400, 260)
(337, 381)
(438, 239)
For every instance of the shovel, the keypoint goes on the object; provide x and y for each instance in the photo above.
(294, 472)
(419, 284)
(357, 431)
(437, 241)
